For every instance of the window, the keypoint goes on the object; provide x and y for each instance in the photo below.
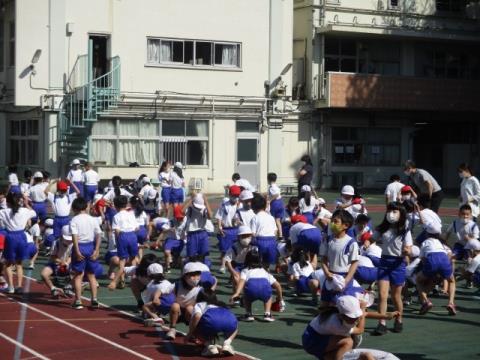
(148, 141)
(379, 57)
(11, 44)
(247, 126)
(340, 55)
(450, 5)
(393, 4)
(366, 146)
(193, 53)
(24, 138)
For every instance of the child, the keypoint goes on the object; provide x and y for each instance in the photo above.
(110, 195)
(471, 272)
(37, 195)
(158, 295)
(277, 209)
(13, 183)
(165, 183)
(258, 284)
(174, 234)
(75, 178)
(264, 230)
(158, 227)
(323, 216)
(186, 291)
(15, 219)
(407, 194)
(305, 236)
(59, 261)
(112, 260)
(142, 223)
(91, 180)
(425, 214)
(370, 249)
(139, 277)
(197, 215)
(307, 203)
(244, 213)
(61, 203)
(301, 271)
(211, 317)
(125, 226)
(396, 242)
(361, 227)
(177, 192)
(86, 236)
(235, 257)
(151, 203)
(48, 236)
(339, 255)
(227, 231)
(366, 272)
(242, 182)
(351, 202)
(392, 192)
(290, 210)
(33, 242)
(465, 229)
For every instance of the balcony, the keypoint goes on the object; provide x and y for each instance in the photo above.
(361, 91)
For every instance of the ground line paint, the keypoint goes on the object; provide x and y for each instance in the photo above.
(23, 316)
(23, 347)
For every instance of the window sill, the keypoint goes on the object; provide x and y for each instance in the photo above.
(195, 67)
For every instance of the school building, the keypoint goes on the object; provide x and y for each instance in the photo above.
(387, 81)
(119, 82)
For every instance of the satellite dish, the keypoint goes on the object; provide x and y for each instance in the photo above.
(36, 56)
(285, 69)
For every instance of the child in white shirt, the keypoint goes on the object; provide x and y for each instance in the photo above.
(158, 295)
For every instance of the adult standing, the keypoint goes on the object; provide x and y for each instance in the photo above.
(425, 183)
(469, 189)
(305, 174)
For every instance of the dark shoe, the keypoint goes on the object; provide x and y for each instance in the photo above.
(380, 330)
(94, 303)
(77, 305)
(426, 306)
(397, 327)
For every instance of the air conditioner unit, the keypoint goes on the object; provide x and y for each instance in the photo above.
(51, 102)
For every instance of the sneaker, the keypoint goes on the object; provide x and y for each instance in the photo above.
(380, 330)
(452, 310)
(268, 317)
(69, 292)
(357, 340)
(171, 334)
(18, 290)
(11, 290)
(153, 322)
(222, 270)
(247, 317)
(469, 285)
(55, 293)
(210, 350)
(77, 305)
(94, 303)
(121, 284)
(397, 327)
(282, 306)
(227, 349)
(31, 267)
(426, 306)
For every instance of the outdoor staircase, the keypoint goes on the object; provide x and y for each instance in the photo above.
(85, 101)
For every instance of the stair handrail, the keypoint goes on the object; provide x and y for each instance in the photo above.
(78, 75)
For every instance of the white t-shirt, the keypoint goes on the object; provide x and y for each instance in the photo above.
(62, 251)
(430, 217)
(274, 191)
(339, 257)
(226, 213)
(432, 245)
(364, 261)
(244, 216)
(37, 192)
(470, 194)
(142, 219)
(18, 221)
(245, 184)
(392, 244)
(110, 195)
(237, 253)
(319, 275)
(263, 224)
(201, 308)
(393, 190)
(35, 231)
(61, 204)
(85, 227)
(333, 325)
(373, 250)
(25, 188)
(257, 273)
(164, 178)
(164, 287)
(304, 208)
(75, 175)
(186, 297)
(196, 219)
(131, 271)
(298, 271)
(474, 265)
(461, 230)
(410, 270)
(124, 221)
(13, 179)
(90, 177)
(176, 181)
(296, 229)
(324, 214)
(29, 237)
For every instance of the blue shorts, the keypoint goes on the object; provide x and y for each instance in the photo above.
(58, 223)
(49, 240)
(215, 321)
(197, 243)
(309, 216)
(459, 251)
(437, 264)
(309, 239)
(80, 185)
(375, 260)
(41, 210)
(366, 275)
(86, 265)
(225, 242)
(331, 296)
(109, 255)
(110, 212)
(267, 247)
(31, 250)
(206, 278)
(16, 246)
(174, 246)
(314, 343)
(393, 269)
(127, 246)
(301, 285)
(166, 301)
(286, 230)
(142, 234)
(277, 209)
(258, 289)
(177, 196)
(90, 191)
(15, 189)
(166, 192)
(476, 279)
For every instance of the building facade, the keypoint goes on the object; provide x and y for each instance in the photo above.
(119, 82)
(388, 81)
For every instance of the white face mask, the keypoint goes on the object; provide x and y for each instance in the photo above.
(406, 197)
(245, 241)
(192, 282)
(393, 217)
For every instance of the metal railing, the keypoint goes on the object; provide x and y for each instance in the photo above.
(79, 75)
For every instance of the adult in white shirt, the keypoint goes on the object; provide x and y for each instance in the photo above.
(75, 177)
(469, 189)
(392, 192)
(91, 180)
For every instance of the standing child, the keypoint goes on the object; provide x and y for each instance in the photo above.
(91, 180)
(34, 237)
(142, 223)
(392, 192)
(426, 215)
(37, 195)
(244, 213)
(196, 224)
(75, 178)
(264, 229)
(61, 203)
(308, 204)
(177, 191)
(13, 183)
(165, 183)
(277, 209)
(86, 236)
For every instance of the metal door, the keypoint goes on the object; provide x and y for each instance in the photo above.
(247, 158)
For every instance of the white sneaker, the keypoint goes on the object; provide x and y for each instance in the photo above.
(282, 306)
(11, 290)
(228, 349)
(171, 334)
(222, 270)
(210, 350)
(268, 317)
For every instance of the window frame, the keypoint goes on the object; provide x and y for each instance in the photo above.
(28, 138)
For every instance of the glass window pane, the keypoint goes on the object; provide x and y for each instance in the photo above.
(32, 152)
(148, 154)
(15, 151)
(178, 51)
(128, 127)
(129, 152)
(15, 128)
(173, 128)
(166, 51)
(227, 54)
(203, 52)
(247, 150)
(32, 127)
(148, 128)
(197, 128)
(188, 54)
(153, 50)
(197, 152)
(349, 47)
(104, 127)
(332, 64)
(332, 46)
(348, 65)
(247, 126)
(23, 128)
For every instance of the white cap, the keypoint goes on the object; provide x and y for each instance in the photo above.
(349, 306)
(321, 201)
(163, 223)
(154, 268)
(244, 230)
(49, 222)
(246, 195)
(366, 296)
(306, 188)
(348, 190)
(146, 180)
(415, 251)
(433, 227)
(473, 244)
(274, 190)
(192, 267)
(38, 174)
(152, 194)
(336, 284)
(66, 234)
(198, 201)
(76, 162)
(178, 164)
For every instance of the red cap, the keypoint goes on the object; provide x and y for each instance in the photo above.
(234, 190)
(62, 186)
(366, 236)
(357, 201)
(298, 218)
(178, 213)
(406, 189)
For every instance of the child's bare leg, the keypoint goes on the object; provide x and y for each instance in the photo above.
(93, 284)
(9, 274)
(451, 289)
(46, 273)
(268, 305)
(19, 274)
(77, 285)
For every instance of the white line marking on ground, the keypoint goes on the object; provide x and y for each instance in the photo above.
(23, 316)
(23, 347)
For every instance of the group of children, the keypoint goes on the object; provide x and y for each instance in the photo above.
(265, 246)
